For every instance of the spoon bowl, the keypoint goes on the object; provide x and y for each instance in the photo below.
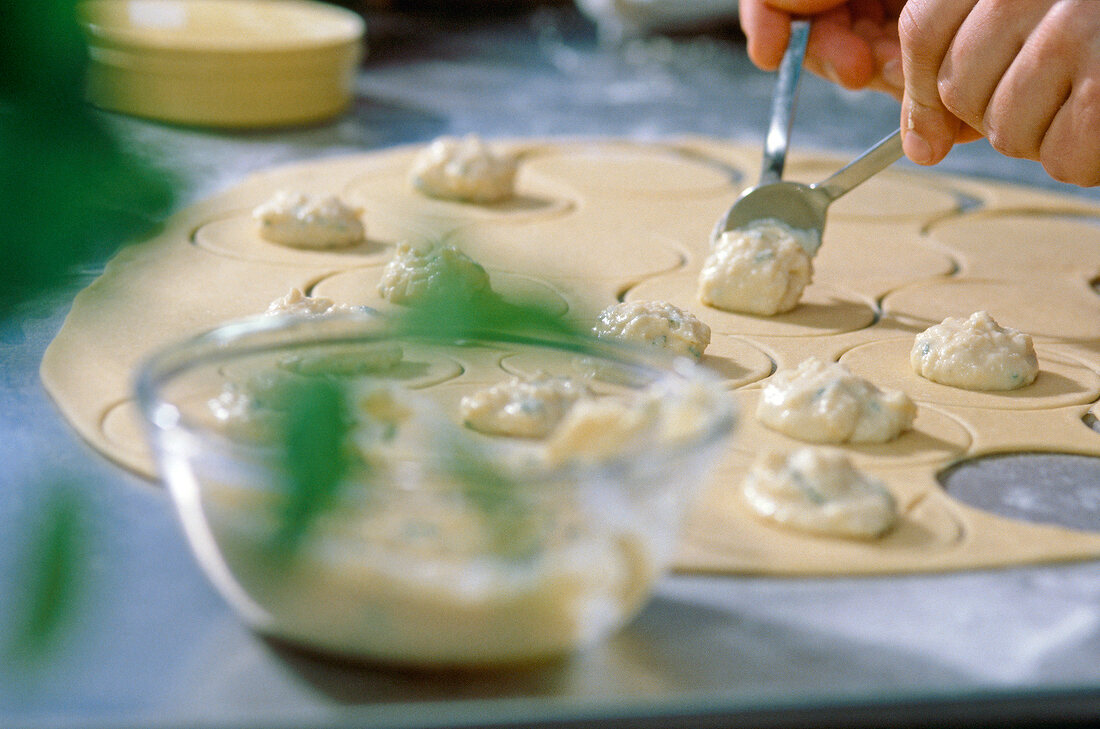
(801, 206)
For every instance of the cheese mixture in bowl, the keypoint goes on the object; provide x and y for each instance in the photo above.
(399, 534)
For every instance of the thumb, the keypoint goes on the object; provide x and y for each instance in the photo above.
(926, 29)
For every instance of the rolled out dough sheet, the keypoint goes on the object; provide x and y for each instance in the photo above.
(595, 221)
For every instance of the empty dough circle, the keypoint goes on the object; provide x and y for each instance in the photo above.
(629, 251)
(736, 361)
(612, 169)
(874, 257)
(989, 242)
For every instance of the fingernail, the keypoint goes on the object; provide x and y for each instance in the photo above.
(830, 72)
(917, 149)
(891, 73)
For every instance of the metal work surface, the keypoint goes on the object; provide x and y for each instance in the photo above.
(153, 644)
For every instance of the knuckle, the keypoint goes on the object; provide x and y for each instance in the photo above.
(919, 35)
(1001, 126)
(1052, 42)
(1004, 143)
(956, 99)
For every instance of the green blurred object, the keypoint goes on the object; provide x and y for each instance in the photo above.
(51, 579)
(69, 195)
(316, 460)
(69, 192)
(449, 319)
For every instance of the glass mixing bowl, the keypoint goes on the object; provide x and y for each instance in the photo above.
(332, 493)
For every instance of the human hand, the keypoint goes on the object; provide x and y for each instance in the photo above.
(852, 42)
(1024, 74)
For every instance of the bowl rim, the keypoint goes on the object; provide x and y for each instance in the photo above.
(261, 334)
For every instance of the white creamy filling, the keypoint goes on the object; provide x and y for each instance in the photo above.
(295, 303)
(298, 220)
(417, 273)
(975, 354)
(655, 324)
(819, 491)
(759, 270)
(463, 169)
(823, 402)
(415, 588)
(349, 360)
(661, 415)
(429, 573)
(522, 408)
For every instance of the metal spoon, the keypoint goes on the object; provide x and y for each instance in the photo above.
(803, 207)
(800, 206)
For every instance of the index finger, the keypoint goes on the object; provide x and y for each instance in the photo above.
(927, 29)
(768, 31)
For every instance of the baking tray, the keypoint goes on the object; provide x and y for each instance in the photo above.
(153, 645)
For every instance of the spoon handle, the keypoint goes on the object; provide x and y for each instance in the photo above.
(783, 104)
(885, 153)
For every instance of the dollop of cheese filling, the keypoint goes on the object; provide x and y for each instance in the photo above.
(463, 169)
(758, 270)
(818, 490)
(655, 324)
(330, 360)
(526, 408)
(975, 354)
(298, 220)
(656, 417)
(823, 402)
(419, 273)
(296, 303)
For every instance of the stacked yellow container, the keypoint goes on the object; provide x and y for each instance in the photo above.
(222, 63)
